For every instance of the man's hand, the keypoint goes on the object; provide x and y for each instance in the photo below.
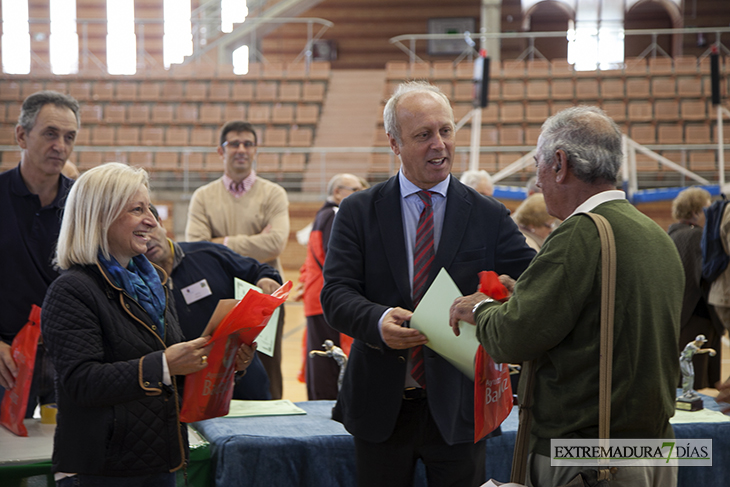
(508, 282)
(188, 357)
(397, 336)
(461, 310)
(8, 369)
(218, 240)
(267, 229)
(244, 356)
(267, 285)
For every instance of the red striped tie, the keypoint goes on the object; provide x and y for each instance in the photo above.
(422, 259)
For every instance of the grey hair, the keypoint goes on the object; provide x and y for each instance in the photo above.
(336, 182)
(95, 201)
(390, 120)
(590, 140)
(34, 103)
(472, 178)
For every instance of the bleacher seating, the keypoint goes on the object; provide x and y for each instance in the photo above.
(655, 101)
(181, 108)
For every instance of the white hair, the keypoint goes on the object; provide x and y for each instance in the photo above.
(591, 141)
(95, 201)
(390, 119)
(472, 178)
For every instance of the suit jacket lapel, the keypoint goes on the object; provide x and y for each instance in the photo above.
(456, 218)
(390, 221)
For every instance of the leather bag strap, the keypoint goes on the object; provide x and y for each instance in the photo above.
(608, 298)
(527, 376)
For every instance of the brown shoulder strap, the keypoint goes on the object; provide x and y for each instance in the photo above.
(527, 376)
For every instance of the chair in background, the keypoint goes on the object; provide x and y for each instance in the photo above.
(177, 136)
(138, 113)
(210, 113)
(307, 114)
(114, 114)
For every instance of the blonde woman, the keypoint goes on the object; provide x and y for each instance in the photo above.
(114, 340)
(534, 221)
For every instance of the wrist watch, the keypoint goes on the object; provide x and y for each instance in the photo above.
(476, 306)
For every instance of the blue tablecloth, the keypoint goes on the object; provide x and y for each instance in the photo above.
(313, 450)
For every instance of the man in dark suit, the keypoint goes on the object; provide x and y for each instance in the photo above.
(396, 413)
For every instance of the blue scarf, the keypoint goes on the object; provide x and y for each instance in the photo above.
(141, 281)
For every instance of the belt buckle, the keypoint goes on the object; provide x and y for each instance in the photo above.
(411, 393)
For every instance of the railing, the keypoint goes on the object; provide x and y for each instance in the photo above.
(510, 178)
(471, 38)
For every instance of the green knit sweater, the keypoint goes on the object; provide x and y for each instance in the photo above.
(553, 318)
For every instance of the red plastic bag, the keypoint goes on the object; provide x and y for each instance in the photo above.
(23, 349)
(492, 385)
(208, 393)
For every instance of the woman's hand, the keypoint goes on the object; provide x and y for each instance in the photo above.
(244, 355)
(188, 357)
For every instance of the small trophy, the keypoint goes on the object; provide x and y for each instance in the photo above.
(690, 400)
(336, 353)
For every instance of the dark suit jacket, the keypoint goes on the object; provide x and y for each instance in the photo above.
(366, 272)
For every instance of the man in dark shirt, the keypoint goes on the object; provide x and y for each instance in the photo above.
(211, 267)
(32, 196)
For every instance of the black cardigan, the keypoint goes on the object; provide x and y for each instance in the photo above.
(115, 415)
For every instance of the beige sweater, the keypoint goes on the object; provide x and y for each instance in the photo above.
(215, 212)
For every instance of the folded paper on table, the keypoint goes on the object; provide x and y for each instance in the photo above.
(701, 416)
(278, 407)
(208, 393)
(431, 318)
(267, 338)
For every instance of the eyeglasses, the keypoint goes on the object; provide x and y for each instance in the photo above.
(354, 190)
(235, 144)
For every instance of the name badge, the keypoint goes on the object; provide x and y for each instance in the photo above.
(196, 291)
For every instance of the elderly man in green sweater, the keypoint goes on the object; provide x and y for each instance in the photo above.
(553, 317)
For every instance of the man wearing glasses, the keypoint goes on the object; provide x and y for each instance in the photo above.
(247, 214)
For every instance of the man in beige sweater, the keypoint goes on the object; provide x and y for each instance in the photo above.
(248, 214)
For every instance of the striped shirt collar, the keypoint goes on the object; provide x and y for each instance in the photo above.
(239, 189)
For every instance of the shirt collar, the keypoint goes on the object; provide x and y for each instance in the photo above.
(177, 255)
(598, 199)
(238, 189)
(19, 187)
(407, 188)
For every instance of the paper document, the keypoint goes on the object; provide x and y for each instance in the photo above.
(431, 318)
(701, 416)
(267, 338)
(281, 407)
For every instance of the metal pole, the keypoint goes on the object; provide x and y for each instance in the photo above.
(476, 133)
(308, 54)
(720, 149)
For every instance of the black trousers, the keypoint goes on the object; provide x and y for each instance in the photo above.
(321, 372)
(416, 436)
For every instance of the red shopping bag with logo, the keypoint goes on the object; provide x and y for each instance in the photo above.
(208, 392)
(23, 350)
(492, 386)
